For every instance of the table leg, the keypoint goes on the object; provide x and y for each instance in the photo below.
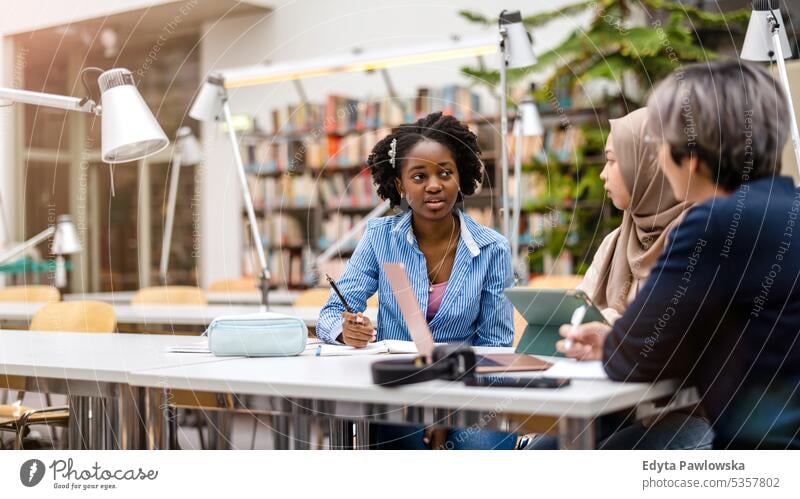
(576, 433)
(100, 425)
(129, 423)
(362, 435)
(341, 434)
(301, 421)
(220, 430)
(156, 418)
(78, 426)
(280, 430)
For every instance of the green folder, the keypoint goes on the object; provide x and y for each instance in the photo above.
(545, 310)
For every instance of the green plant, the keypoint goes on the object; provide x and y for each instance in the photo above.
(611, 46)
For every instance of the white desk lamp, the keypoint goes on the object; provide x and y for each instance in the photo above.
(527, 124)
(187, 153)
(65, 242)
(766, 41)
(129, 131)
(515, 46)
(212, 104)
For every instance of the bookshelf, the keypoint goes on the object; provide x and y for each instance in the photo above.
(310, 182)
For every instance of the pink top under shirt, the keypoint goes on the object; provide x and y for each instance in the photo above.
(435, 299)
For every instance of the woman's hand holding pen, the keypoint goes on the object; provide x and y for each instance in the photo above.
(584, 341)
(357, 330)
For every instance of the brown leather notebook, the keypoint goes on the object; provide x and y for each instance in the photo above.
(509, 363)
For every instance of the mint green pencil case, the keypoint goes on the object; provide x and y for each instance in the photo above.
(263, 334)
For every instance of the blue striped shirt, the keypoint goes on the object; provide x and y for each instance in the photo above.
(473, 309)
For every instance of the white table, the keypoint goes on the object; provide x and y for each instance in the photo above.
(341, 389)
(93, 370)
(276, 297)
(172, 315)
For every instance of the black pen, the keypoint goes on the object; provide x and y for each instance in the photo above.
(338, 293)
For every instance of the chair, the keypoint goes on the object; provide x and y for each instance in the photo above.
(30, 293)
(170, 295)
(242, 284)
(555, 281)
(527, 424)
(73, 316)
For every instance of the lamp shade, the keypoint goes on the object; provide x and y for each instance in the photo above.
(208, 104)
(187, 145)
(65, 239)
(518, 51)
(530, 119)
(758, 40)
(129, 130)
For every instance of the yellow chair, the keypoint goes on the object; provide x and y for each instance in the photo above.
(170, 295)
(73, 316)
(555, 281)
(30, 293)
(243, 284)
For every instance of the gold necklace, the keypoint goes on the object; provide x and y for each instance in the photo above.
(446, 252)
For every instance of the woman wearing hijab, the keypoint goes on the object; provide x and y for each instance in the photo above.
(635, 184)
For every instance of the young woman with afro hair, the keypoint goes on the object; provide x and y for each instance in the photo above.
(457, 267)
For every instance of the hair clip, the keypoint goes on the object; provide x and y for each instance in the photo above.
(392, 152)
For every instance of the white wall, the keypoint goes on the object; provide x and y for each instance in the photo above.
(34, 14)
(313, 28)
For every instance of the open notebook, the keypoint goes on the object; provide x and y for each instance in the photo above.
(318, 348)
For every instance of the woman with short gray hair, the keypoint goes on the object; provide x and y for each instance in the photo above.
(721, 308)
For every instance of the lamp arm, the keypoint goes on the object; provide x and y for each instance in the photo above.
(776, 46)
(504, 136)
(166, 240)
(49, 100)
(335, 247)
(264, 277)
(25, 246)
(517, 199)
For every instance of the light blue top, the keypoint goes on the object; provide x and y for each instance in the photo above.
(473, 310)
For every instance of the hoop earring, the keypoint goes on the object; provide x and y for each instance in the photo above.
(404, 206)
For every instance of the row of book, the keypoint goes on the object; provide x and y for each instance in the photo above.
(341, 115)
(283, 191)
(307, 191)
(348, 191)
(283, 230)
(336, 226)
(287, 268)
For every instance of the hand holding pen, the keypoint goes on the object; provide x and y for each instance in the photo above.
(582, 341)
(357, 329)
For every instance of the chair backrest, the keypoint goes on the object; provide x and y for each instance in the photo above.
(76, 316)
(170, 295)
(30, 293)
(519, 327)
(555, 281)
(242, 284)
(544, 282)
(316, 297)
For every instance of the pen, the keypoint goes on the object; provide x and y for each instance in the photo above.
(576, 320)
(338, 293)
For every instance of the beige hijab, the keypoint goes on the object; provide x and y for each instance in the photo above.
(638, 242)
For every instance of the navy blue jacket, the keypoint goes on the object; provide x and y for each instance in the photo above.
(721, 311)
